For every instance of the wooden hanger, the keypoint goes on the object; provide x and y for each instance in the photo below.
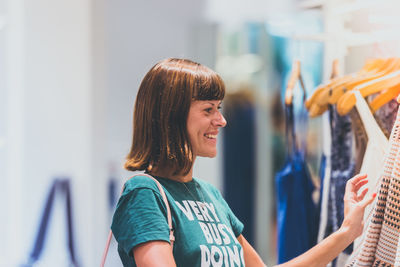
(335, 68)
(377, 69)
(371, 72)
(322, 94)
(383, 84)
(315, 109)
(383, 98)
(294, 77)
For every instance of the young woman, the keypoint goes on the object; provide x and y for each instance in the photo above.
(176, 119)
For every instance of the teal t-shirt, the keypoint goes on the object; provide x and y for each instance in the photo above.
(205, 228)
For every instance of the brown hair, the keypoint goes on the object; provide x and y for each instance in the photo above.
(160, 138)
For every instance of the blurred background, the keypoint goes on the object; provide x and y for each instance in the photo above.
(69, 73)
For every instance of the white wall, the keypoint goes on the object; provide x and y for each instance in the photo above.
(73, 72)
(138, 35)
(51, 118)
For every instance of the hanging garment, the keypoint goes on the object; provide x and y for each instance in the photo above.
(321, 174)
(342, 169)
(322, 207)
(380, 241)
(386, 116)
(360, 137)
(59, 186)
(112, 193)
(297, 217)
(377, 147)
(325, 173)
(239, 174)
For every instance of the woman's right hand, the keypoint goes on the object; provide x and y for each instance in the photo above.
(354, 205)
(329, 248)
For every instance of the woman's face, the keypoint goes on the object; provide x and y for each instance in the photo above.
(203, 123)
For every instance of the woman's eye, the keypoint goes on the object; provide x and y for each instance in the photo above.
(208, 110)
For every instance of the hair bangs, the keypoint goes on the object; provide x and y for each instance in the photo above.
(209, 86)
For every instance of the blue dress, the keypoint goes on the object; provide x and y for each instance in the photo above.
(297, 214)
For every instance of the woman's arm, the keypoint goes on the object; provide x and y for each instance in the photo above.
(251, 258)
(330, 247)
(154, 253)
(324, 252)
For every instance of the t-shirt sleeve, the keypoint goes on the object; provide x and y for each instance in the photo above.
(237, 225)
(140, 216)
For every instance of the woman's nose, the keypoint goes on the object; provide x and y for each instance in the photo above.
(220, 120)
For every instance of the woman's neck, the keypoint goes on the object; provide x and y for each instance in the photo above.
(178, 177)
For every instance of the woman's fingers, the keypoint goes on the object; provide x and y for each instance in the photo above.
(360, 184)
(359, 177)
(362, 195)
(352, 184)
(366, 201)
(356, 179)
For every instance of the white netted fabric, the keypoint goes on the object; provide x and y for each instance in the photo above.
(378, 246)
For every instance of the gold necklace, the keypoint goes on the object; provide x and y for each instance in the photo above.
(190, 192)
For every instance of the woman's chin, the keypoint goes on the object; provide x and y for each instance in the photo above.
(210, 154)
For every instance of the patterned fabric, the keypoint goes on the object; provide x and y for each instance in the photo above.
(380, 245)
(360, 137)
(342, 169)
(386, 116)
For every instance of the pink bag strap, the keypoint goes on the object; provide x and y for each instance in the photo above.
(169, 218)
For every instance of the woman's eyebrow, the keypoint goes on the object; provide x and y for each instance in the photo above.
(219, 103)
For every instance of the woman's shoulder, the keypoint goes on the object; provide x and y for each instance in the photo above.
(139, 181)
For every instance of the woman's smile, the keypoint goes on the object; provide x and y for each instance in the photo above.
(204, 121)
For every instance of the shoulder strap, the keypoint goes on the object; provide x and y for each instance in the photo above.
(169, 218)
